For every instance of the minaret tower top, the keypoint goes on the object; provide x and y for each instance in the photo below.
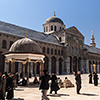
(92, 40)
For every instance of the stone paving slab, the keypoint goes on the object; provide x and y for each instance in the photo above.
(88, 91)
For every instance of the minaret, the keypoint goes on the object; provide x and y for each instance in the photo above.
(92, 40)
(54, 14)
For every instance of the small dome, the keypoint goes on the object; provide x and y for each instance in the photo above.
(25, 45)
(54, 19)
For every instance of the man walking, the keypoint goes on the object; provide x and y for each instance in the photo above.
(78, 82)
(44, 84)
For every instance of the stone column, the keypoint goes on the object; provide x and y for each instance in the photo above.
(24, 63)
(28, 61)
(68, 65)
(91, 67)
(35, 65)
(82, 69)
(13, 65)
(7, 65)
(65, 66)
(41, 67)
(87, 66)
(31, 68)
(50, 66)
(62, 67)
(19, 67)
(57, 67)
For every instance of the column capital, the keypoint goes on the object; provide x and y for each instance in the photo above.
(24, 62)
(7, 61)
(35, 62)
(28, 60)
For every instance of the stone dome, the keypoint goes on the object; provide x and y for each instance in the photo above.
(25, 45)
(54, 19)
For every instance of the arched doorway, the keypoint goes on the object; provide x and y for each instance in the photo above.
(46, 63)
(79, 64)
(2, 62)
(60, 65)
(92, 66)
(90, 70)
(96, 68)
(75, 64)
(38, 68)
(70, 65)
(53, 64)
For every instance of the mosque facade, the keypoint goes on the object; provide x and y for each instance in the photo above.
(64, 48)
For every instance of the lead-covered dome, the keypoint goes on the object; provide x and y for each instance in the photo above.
(25, 45)
(54, 19)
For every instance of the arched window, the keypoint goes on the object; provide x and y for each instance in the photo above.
(51, 28)
(62, 52)
(52, 51)
(58, 52)
(55, 51)
(11, 42)
(55, 28)
(4, 44)
(60, 28)
(43, 49)
(47, 50)
(74, 50)
(46, 29)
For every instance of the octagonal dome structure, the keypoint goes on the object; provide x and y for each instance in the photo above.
(54, 19)
(23, 49)
(25, 45)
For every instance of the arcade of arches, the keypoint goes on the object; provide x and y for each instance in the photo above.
(93, 68)
(55, 65)
(51, 65)
(74, 64)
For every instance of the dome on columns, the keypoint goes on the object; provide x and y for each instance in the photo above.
(25, 45)
(54, 19)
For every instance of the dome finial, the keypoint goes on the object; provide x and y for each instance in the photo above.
(92, 32)
(26, 33)
(92, 40)
(54, 13)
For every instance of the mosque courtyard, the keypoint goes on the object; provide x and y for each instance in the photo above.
(88, 91)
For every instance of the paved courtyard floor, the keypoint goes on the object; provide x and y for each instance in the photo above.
(88, 91)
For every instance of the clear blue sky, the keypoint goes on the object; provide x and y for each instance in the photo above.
(84, 14)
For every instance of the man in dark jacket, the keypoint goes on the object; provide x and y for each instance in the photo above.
(95, 79)
(54, 84)
(44, 84)
(3, 89)
(9, 85)
(78, 82)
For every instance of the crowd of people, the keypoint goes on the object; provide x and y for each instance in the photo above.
(56, 84)
(8, 82)
(93, 76)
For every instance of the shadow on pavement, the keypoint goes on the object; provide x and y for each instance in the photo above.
(19, 89)
(17, 99)
(87, 94)
(58, 95)
(29, 86)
